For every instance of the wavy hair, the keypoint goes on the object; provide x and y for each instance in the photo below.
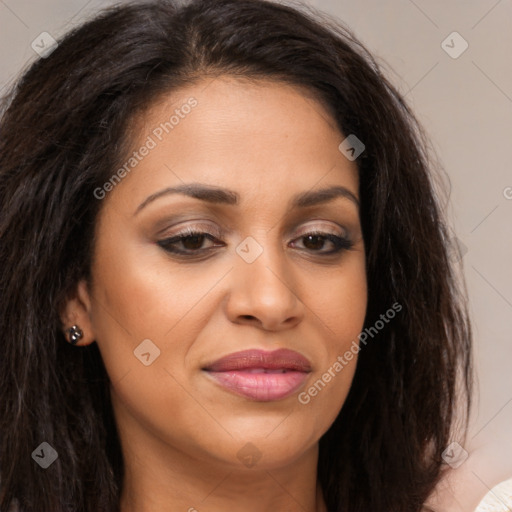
(64, 127)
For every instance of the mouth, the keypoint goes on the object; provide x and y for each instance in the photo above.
(260, 375)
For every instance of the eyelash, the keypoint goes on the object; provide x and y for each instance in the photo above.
(341, 243)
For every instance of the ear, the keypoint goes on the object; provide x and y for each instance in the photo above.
(76, 310)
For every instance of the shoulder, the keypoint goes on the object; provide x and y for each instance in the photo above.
(498, 499)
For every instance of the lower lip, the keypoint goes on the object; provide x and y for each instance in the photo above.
(263, 387)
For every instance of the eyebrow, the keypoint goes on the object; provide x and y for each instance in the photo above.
(216, 195)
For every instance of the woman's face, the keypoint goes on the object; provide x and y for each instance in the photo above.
(164, 311)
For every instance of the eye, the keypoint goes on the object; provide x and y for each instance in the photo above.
(315, 241)
(191, 241)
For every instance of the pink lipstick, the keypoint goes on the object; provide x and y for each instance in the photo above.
(260, 375)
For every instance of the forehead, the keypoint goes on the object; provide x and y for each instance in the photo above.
(250, 136)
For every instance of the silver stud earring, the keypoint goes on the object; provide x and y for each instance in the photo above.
(75, 334)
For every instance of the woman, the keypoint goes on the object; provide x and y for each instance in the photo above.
(226, 275)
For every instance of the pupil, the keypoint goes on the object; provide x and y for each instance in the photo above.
(197, 241)
(316, 238)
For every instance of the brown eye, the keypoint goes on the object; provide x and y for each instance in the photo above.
(191, 243)
(316, 241)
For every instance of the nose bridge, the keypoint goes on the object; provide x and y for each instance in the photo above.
(260, 259)
(263, 288)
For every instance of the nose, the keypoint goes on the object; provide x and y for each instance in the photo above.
(263, 294)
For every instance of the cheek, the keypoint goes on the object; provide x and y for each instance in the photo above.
(144, 305)
(340, 303)
(159, 401)
(339, 299)
(146, 318)
(142, 294)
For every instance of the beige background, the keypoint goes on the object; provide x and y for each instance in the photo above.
(465, 103)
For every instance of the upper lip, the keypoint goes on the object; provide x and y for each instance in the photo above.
(278, 359)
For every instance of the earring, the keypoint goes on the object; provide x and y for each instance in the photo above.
(75, 334)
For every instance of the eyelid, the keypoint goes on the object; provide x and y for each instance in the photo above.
(217, 232)
(305, 229)
(192, 226)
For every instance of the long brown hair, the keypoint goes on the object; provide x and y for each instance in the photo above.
(65, 128)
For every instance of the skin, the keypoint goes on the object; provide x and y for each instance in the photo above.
(180, 431)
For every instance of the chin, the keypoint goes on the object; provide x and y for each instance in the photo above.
(269, 451)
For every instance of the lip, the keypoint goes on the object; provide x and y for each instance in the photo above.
(261, 375)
